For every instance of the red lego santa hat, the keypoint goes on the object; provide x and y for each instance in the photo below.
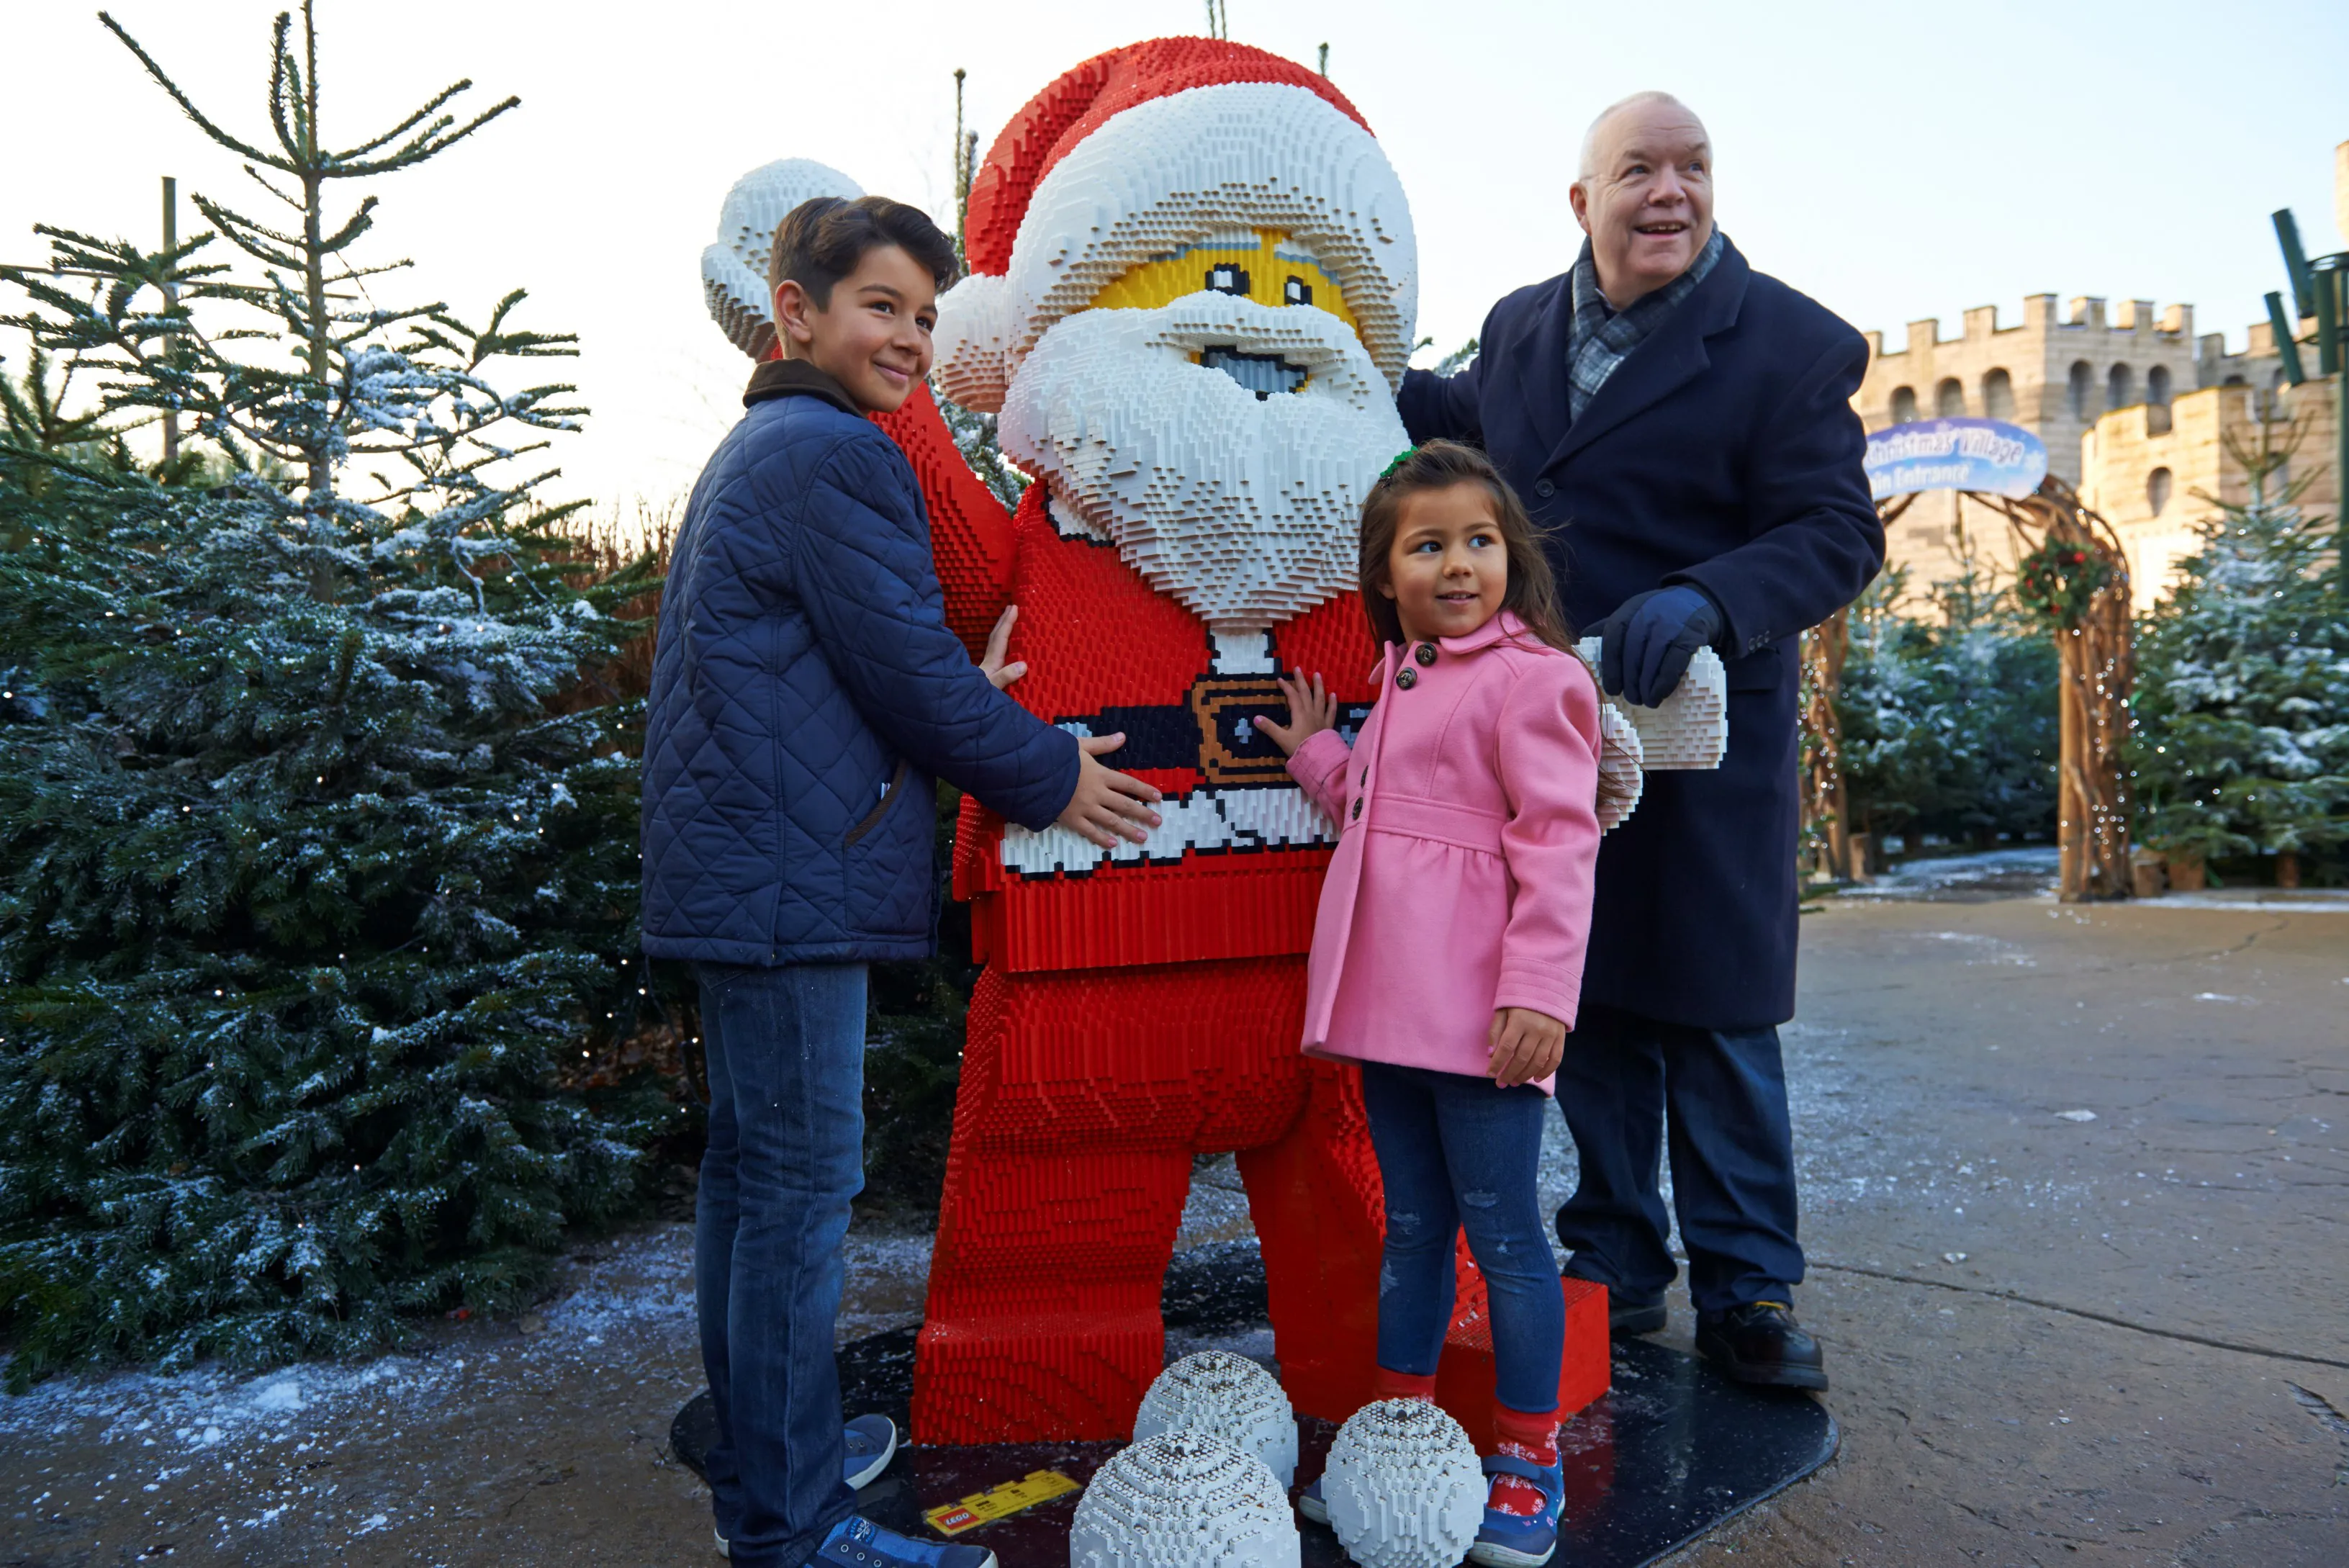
(1145, 151)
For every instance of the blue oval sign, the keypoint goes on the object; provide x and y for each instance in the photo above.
(1988, 456)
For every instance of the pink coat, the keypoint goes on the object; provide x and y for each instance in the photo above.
(1468, 835)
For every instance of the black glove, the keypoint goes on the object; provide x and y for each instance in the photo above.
(1645, 646)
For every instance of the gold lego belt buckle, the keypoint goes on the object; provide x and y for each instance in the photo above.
(1229, 754)
(1035, 1487)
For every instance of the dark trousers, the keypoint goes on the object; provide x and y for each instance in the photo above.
(1733, 1159)
(786, 1053)
(1460, 1153)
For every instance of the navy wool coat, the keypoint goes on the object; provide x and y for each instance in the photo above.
(805, 687)
(1725, 453)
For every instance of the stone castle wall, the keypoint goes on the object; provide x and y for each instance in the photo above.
(2157, 482)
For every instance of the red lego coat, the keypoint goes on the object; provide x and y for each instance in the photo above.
(1238, 869)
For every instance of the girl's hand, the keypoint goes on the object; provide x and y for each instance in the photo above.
(1311, 709)
(998, 643)
(1527, 1047)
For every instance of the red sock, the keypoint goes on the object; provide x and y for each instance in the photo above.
(1530, 1438)
(1388, 1384)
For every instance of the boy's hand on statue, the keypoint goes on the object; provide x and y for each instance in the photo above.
(1109, 806)
(1311, 709)
(1527, 1046)
(998, 643)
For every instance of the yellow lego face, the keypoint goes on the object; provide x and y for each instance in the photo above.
(1271, 271)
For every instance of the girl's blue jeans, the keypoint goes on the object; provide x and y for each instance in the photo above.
(1461, 1153)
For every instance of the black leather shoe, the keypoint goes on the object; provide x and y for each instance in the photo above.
(1761, 1343)
(1629, 1315)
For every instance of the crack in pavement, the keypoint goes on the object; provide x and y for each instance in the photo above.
(2020, 1299)
(2330, 1419)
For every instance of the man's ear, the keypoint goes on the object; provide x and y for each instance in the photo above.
(1579, 199)
(792, 307)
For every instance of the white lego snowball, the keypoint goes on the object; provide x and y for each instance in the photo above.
(1228, 1396)
(1405, 1487)
(1688, 729)
(1184, 1500)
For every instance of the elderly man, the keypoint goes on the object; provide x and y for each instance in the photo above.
(1684, 423)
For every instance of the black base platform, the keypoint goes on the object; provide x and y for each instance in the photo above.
(1670, 1454)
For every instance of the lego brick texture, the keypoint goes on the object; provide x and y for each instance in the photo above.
(1688, 729)
(1405, 1487)
(1184, 1500)
(1219, 1394)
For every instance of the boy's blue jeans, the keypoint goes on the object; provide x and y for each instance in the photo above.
(786, 1054)
(1460, 1153)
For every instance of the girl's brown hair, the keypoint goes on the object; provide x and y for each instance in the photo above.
(1532, 593)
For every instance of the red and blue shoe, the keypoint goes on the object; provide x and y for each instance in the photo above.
(1513, 1539)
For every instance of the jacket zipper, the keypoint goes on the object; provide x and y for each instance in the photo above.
(888, 798)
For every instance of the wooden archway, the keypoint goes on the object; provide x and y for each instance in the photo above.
(2075, 557)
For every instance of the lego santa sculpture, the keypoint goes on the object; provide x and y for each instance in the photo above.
(1191, 292)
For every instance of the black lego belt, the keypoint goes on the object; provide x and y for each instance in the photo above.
(1210, 731)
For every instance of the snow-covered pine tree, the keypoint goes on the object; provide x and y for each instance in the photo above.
(1949, 723)
(2243, 708)
(308, 895)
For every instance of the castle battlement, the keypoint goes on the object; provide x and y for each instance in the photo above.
(2081, 320)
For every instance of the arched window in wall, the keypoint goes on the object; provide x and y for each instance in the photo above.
(2120, 387)
(2157, 491)
(2084, 391)
(2156, 385)
(1998, 396)
(1904, 405)
(1950, 398)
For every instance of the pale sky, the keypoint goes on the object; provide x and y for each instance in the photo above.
(1894, 161)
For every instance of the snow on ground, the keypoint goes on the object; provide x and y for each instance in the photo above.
(1998, 873)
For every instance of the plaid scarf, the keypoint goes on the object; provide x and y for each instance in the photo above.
(1603, 337)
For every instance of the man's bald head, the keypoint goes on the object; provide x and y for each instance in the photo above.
(1607, 117)
(1644, 194)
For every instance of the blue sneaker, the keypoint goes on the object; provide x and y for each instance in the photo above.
(1516, 1540)
(871, 1442)
(1309, 1503)
(858, 1542)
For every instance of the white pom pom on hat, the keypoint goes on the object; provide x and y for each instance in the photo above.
(734, 269)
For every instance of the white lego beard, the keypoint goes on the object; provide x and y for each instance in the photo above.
(1247, 511)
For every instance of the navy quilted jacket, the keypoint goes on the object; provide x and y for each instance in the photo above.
(805, 688)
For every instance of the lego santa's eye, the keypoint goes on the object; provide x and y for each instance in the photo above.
(1296, 291)
(1225, 278)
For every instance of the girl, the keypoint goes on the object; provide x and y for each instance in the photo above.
(1447, 951)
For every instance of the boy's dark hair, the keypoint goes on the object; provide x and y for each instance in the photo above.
(822, 240)
(1532, 593)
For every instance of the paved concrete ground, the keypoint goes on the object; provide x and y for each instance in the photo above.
(2054, 1339)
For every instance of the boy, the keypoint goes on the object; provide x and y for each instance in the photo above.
(805, 685)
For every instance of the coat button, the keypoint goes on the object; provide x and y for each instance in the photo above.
(1424, 653)
(1357, 805)
(1406, 678)
(1544, 488)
